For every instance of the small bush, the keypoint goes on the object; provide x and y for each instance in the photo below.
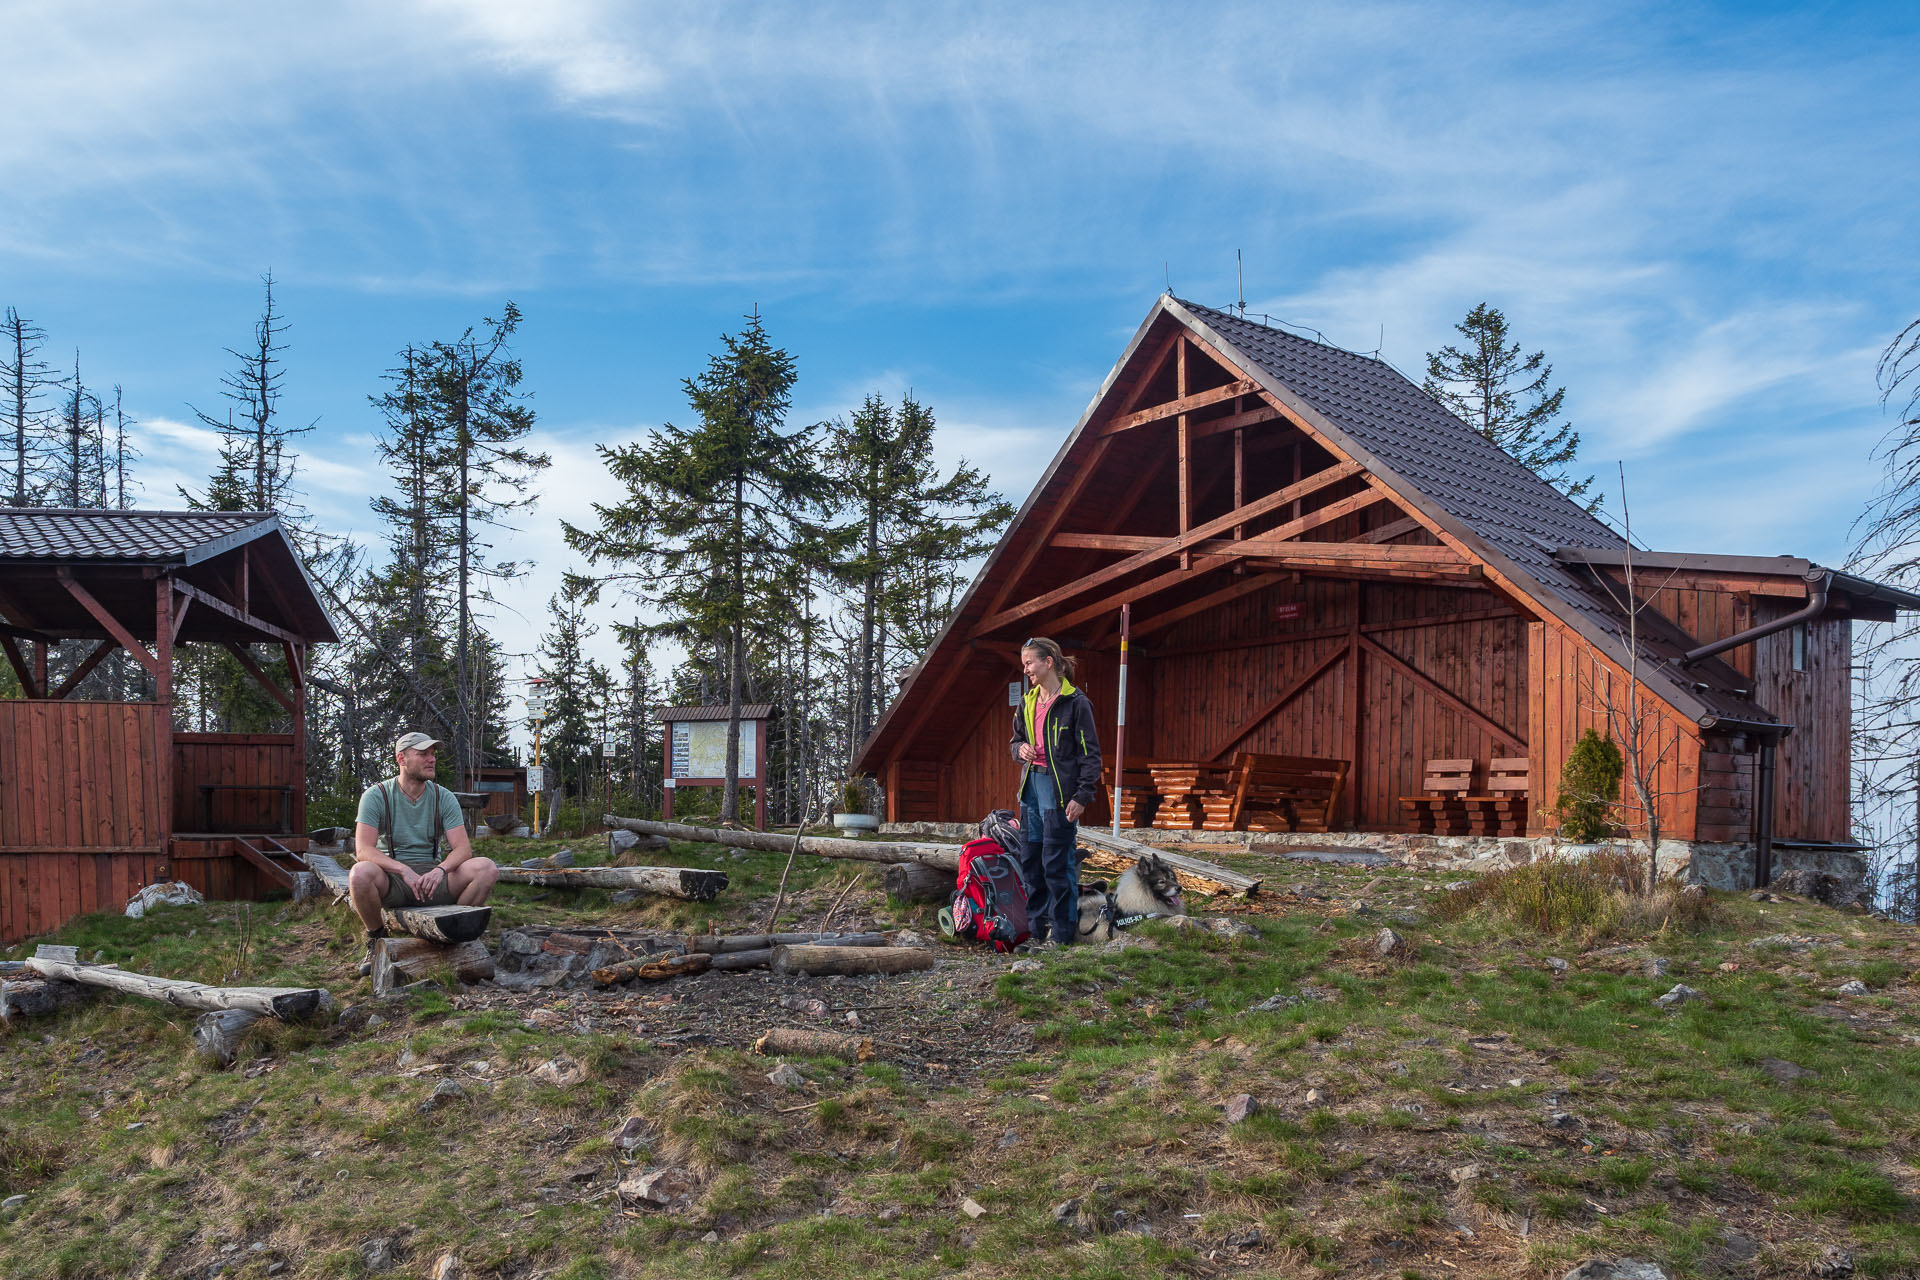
(1594, 897)
(1589, 783)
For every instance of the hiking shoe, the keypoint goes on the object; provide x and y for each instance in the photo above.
(365, 968)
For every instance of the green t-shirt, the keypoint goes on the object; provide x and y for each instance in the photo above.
(414, 823)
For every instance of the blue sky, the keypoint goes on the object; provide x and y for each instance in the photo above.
(1701, 213)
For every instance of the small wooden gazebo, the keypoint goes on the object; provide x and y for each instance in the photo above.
(99, 798)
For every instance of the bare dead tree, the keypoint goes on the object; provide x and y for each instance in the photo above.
(1886, 656)
(1634, 717)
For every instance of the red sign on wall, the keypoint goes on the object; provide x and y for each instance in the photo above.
(1286, 613)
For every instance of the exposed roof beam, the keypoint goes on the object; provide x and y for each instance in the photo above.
(18, 662)
(1199, 533)
(113, 626)
(240, 616)
(79, 673)
(1185, 404)
(1151, 587)
(1235, 421)
(1245, 587)
(1450, 699)
(274, 691)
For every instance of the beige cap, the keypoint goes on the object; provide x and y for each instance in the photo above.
(415, 741)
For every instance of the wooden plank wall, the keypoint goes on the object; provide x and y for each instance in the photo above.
(80, 775)
(1571, 683)
(249, 759)
(40, 892)
(1813, 765)
(82, 825)
(1193, 682)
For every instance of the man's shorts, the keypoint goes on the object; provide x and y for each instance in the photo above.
(397, 894)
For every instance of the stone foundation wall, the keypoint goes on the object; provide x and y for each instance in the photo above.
(1717, 865)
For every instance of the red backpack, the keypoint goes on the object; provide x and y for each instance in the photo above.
(989, 897)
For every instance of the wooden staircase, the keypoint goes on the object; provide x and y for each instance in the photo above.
(274, 861)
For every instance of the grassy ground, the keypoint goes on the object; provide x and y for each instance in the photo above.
(1463, 1108)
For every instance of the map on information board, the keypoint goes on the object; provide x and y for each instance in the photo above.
(700, 749)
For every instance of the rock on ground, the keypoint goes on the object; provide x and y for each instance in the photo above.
(661, 1188)
(1242, 1107)
(1624, 1269)
(1387, 944)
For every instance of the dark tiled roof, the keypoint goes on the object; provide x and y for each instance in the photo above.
(748, 711)
(41, 534)
(1493, 504)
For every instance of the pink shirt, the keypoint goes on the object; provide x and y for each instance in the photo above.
(1040, 728)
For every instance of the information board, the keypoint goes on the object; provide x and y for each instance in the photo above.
(700, 749)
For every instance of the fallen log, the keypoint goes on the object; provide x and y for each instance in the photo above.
(400, 961)
(945, 856)
(1117, 853)
(448, 925)
(217, 1035)
(740, 961)
(917, 882)
(693, 884)
(32, 996)
(721, 943)
(818, 959)
(652, 968)
(285, 1003)
(797, 1042)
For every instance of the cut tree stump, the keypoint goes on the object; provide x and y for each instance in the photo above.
(285, 1003)
(917, 882)
(692, 884)
(945, 856)
(398, 962)
(820, 959)
(652, 969)
(32, 996)
(217, 1035)
(797, 1042)
(448, 925)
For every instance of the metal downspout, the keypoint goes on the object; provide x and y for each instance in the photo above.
(1763, 817)
(1819, 582)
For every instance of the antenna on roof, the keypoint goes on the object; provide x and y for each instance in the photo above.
(1168, 268)
(1240, 279)
(1383, 342)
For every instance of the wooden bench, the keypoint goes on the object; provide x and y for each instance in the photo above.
(1138, 801)
(1282, 793)
(1503, 810)
(1185, 788)
(1442, 810)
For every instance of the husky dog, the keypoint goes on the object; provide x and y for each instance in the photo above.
(1150, 888)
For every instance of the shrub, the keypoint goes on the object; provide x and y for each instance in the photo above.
(1593, 897)
(1589, 782)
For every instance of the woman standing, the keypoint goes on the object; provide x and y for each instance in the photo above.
(1054, 737)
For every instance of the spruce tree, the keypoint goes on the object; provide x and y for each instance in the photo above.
(473, 390)
(23, 377)
(713, 515)
(569, 724)
(1505, 397)
(79, 456)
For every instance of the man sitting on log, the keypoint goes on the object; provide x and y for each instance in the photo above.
(398, 862)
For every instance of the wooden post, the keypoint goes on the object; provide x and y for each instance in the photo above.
(298, 677)
(40, 668)
(760, 782)
(1186, 449)
(1120, 718)
(163, 643)
(1355, 689)
(666, 771)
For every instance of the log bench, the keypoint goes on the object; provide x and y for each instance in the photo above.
(1440, 811)
(1281, 793)
(1502, 811)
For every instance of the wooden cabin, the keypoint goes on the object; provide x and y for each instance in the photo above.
(100, 798)
(1321, 562)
